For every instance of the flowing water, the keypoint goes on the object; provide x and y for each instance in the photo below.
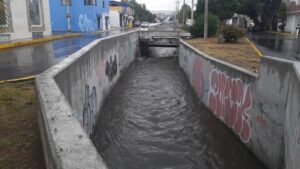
(153, 120)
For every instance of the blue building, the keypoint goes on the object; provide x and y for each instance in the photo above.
(79, 15)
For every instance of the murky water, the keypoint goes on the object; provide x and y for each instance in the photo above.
(153, 120)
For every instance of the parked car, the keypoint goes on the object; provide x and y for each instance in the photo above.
(145, 26)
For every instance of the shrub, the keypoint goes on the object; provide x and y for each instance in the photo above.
(197, 30)
(231, 34)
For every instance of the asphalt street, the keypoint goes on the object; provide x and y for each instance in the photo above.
(34, 59)
(276, 45)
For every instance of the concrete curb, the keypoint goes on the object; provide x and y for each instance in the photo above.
(18, 80)
(35, 41)
(255, 48)
(281, 33)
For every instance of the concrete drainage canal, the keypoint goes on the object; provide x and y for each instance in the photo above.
(109, 106)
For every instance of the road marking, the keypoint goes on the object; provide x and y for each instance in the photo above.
(35, 41)
(255, 48)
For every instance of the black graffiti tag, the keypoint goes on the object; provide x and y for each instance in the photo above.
(89, 110)
(111, 68)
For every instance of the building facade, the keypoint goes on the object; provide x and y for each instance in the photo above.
(121, 14)
(293, 15)
(79, 15)
(24, 19)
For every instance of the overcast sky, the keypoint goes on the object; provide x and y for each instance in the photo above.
(162, 4)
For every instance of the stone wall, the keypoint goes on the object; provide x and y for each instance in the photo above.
(259, 108)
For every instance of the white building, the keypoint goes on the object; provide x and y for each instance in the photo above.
(24, 19)
(293, 17)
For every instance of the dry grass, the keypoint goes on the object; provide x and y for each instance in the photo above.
(240, 54)
(20, 145)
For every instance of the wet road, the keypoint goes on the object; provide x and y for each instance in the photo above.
(282, 46)
(34, 59)
(153, 120)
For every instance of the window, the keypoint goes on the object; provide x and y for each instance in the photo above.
(35, 12)
(3, 14)
(66, 2)
(90, 2)
(103, 3)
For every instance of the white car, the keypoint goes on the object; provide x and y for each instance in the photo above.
(144, 27)
(190, 22)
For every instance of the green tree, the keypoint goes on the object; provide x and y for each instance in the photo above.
(282, 15)
(187, 13)
(141, 13)
(224, 9)
(197, 30)
(269, 15)
(251, 8)
(265, 9)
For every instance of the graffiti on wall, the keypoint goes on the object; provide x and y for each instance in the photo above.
(89, 110)
(229, 99)
(85, 24)
(111, 70)
(197, 77)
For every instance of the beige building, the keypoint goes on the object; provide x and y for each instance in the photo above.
(24, 19)
(293, 17)
(121, 14)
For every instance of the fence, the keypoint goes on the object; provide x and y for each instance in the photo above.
(4, 25)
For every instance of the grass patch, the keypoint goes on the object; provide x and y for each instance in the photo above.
(240, 54)
(20, 145)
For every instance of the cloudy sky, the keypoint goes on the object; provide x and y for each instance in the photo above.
(162, 4)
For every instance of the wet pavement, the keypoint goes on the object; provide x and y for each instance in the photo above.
(154, 120)
(34, 59)
(276, 45)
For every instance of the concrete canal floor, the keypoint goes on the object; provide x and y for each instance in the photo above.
(154, 120)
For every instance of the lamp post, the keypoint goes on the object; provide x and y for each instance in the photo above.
(192, 13)
(206, 19)
(68, 15)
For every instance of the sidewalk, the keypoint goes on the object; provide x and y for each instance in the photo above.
(24, 42)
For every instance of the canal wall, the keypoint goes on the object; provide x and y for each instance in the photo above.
(70, 95)
(261, 109)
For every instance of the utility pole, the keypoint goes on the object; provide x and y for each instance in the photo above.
(183, 13)
(192, 13)
(206, 19)
(68, 15)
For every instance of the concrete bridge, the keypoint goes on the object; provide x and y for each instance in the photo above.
(262, 109)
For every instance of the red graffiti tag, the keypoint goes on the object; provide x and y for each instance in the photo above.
(197, 77)
(229, 101)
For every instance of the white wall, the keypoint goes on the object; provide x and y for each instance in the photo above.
(47, 20)
(20, 19)
(103, 20)
(290, 23)
(114, 18)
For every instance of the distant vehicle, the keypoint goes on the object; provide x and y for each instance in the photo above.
(190, 22)
(136, 23)
(145, 26)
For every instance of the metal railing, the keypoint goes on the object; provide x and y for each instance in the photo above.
(4, 22)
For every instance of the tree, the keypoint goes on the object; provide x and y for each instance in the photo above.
(141, 13)
(187, 13)
(265, 9)
(282, 15)
(251, 8)
(269, 15)
(224, 9)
